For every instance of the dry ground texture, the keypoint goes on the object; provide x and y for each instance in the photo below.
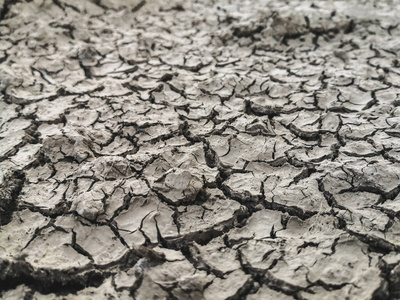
(199, 149)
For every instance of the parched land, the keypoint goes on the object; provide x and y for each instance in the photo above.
(199, 149)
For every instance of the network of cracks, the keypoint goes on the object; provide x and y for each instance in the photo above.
(199, 150)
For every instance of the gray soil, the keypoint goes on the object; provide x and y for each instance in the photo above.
(199, 150)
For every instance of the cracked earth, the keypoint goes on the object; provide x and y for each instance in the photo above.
(199, 150)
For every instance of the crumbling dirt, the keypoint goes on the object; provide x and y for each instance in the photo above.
(199, 150)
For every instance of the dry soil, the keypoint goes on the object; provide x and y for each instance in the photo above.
(199, 149)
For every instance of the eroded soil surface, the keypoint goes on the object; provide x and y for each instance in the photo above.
(199, 150)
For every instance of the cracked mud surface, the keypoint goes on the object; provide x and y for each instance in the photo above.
(237, 150)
